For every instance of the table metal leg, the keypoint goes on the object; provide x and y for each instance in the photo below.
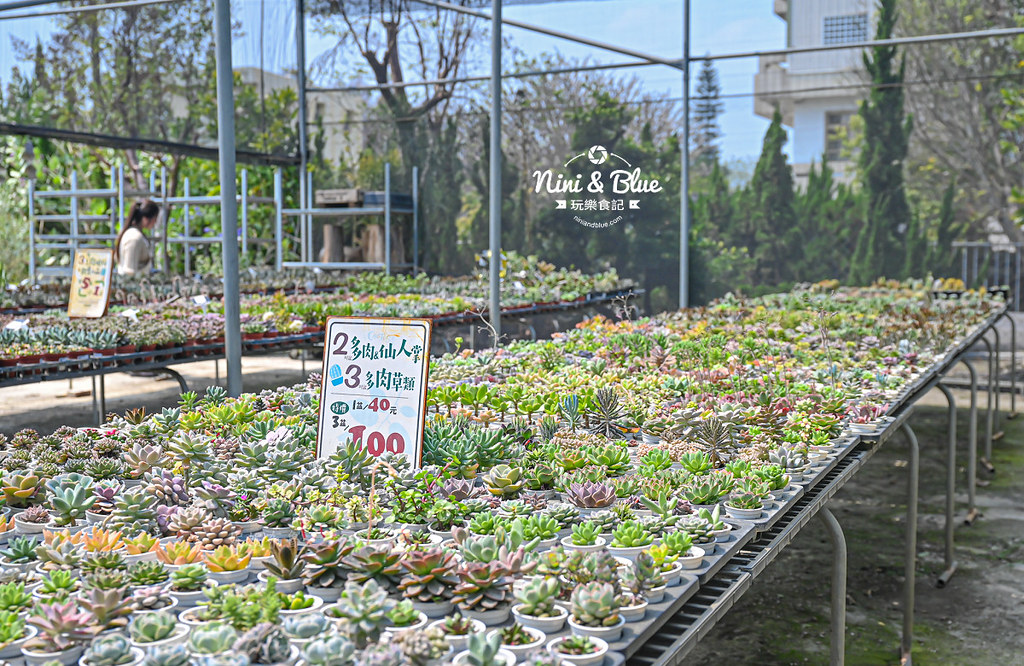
(103, 400)
(995, 381)
(972, 447)
(95, 402)
(910, 557)
(1013, 365)
(175, 375)
(986, 460)
(950, 563)
(839, 560)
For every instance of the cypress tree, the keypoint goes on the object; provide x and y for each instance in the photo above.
(706, 108)
(772, 215)
(880, 247)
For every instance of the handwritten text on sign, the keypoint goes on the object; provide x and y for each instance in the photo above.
(90, 283)
(375, 385)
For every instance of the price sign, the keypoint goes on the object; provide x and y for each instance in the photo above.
(374, 385)
(90, 283)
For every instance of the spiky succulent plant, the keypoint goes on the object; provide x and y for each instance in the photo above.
(265, 643)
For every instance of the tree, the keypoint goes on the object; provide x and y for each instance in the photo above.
(881, 246)
(959, 110)
(769, 208)
(706, 108)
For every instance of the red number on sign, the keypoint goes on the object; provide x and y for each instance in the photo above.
(357, 433)
(375, 444)
(381, 404)
(97, 291)
(396, 443)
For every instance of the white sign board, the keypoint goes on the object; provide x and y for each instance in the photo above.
(374, 388)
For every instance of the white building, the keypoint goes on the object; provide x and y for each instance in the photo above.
(334, 108)
(807, 88)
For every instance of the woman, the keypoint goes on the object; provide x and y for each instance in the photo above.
(131, 250)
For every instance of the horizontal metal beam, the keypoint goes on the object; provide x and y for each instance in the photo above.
(85, 8)
(152, 145)
(555, 33)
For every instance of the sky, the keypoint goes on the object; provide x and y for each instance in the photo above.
(651, 26)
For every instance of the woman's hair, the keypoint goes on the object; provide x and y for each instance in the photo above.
(140, 210)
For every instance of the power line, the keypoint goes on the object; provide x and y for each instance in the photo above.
(672, 100)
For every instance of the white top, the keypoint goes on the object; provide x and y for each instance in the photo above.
(133, 255)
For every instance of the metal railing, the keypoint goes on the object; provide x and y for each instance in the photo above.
(992, 265)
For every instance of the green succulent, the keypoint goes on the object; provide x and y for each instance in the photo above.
(539, 526)
(109, 650)
(643, 576)
(306, 626)
(655, 460)
(152, 627)
(403, 614)
(538, 597)
(585, 534)
(504, 480)
(72, 502)
(331, 650)
(168, 655)
(14, 597)
(487, 523)
(631, 534)
(678, 543)
(189, 577)
(363, 610)
(595, 605)
(147, 573)
(614, 458)
(483, 649)
(212, 638)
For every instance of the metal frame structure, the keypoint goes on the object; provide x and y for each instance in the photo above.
(117, 194)
(306, 215)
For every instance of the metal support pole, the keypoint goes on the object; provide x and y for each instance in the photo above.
(228, 194)
(387, 218)
(1013, 362)
(188, 231)
(32, 230)
(972, 447)
(244, 200)
(838, 642)
(950, 563)
(986, 460)
(165, 241)
(684, 197)
(310, 252)
(278, 222)
(74, 215)
(994, 381)
(495, 175)
(415, 220)
(910, 557)
(305, 197)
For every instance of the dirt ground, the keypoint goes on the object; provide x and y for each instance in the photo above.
(784, 617)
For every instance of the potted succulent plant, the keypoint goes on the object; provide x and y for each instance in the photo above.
(299, 603)
(595, 611)
(404, 617)
(278, 517)
(429, 580)
(578, 650)
(484, 592)
(629, 539)
(590, 496)
(667, 562)
(457, 629)
(63, 634)
(20, 554)
(644, 581)
(520, 640)
(537, 607)
(155, 630)
(112, 650)
(744, 506)
(586, 537)
(484, 650)
(504, 480)
(266, 643)
(212, 638)
(13, 633)
(329, 650)
(325, 572)
(302, 629)
(286, 563)
(187, 584)
(33, 520)
(680, 544)
(227, 565)
(363, 611)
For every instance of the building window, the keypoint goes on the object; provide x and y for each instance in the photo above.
(846, 29)
(837, 124)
